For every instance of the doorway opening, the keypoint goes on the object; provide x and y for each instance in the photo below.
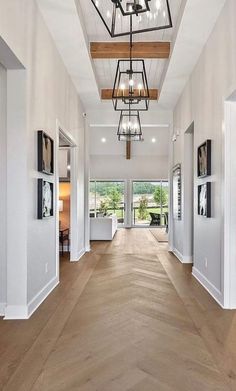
(228, 255)
(189, 193)
(65, 206)
(150, 204)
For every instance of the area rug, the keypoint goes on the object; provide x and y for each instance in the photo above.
(159, 234)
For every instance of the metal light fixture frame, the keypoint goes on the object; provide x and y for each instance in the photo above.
(138, 98)
(118, 11)
(135, 7)
(126, 138)
(130, 134)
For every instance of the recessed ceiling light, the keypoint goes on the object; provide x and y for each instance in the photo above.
(103, 140)
(153, 140)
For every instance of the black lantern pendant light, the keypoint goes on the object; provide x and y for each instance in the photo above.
(148, 15)
(131, 7)
(129, 128)
(130, 86)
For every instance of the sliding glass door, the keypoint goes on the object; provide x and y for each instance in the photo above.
(107, 198)
(150, 203)
(135, 203)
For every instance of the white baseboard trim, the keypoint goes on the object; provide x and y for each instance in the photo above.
(2, 309)
(211, 289)
(87, 249)
(15, 312)
(79, 255)
(24, 312)
(42, 295)
(182, 258)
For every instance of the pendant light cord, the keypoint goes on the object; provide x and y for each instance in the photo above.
(131, 41)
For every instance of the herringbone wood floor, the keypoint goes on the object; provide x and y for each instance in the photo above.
(128, 317)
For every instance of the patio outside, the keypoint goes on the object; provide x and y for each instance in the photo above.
(149, 198)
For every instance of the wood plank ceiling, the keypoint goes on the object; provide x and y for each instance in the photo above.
(154, 48)
(118, 50)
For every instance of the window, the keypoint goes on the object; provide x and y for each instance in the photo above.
(150, 203)
(107, 198)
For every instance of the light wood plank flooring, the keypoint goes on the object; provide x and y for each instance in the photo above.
(129, 316)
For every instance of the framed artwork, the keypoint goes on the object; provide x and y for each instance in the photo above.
(204, 199)
(204, 159)
(45, 153)
(45, 199)
(177, 213)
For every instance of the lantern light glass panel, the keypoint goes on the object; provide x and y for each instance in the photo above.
(126, 137)
(129, 126)
(154, 15)
(130, 86)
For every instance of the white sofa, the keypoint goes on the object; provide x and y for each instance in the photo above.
(103, 228)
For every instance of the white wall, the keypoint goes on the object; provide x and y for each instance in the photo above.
(139, 167)
(212, 80)
(148, 160)
(3, 157)
(50, 96)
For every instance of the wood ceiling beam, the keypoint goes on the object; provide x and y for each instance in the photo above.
(106, 94)
(116, 50)
(128, 150)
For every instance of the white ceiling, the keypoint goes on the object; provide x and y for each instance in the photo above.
(114, 147)
(198, 18)
(97, 32)
(74, 23)
(105, 69)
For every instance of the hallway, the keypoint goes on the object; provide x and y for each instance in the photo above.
(129, 316)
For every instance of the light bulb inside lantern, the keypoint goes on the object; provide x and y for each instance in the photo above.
(140, 88)
(158, 4)
(131, 83)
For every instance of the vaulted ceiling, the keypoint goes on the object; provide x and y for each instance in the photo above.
(105, 68)
(77, 30)
(74, 24)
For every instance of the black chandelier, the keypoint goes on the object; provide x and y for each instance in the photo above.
(132, 7)
(130, 85)
(148, 15)
(129, 128)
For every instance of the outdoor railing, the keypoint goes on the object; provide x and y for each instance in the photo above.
(120, 217)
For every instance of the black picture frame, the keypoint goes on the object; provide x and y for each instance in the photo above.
(204, 199)
(45, 153)
(45, 189)
(204, 159)
(177, 192)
